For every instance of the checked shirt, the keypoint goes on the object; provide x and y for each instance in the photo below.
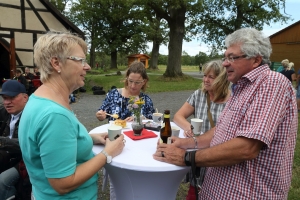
(262, 107)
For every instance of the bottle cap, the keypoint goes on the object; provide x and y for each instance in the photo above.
(167, 111)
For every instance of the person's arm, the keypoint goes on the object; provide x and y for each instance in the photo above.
(86, 170)
(101, 113)
(294, 78)
(202, 141)
(10, 145)
(229, 153)
(180, 117)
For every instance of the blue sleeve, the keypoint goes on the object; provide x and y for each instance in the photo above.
(115, 103)
(148, 107)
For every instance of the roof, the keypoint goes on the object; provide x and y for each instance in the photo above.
(61, 17)
(137, 56)
(286, 28)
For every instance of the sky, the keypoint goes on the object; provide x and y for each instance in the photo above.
(194, 47)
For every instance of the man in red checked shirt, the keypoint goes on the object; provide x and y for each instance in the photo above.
(249, 154)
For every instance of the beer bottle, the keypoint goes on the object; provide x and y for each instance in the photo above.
(166, 130)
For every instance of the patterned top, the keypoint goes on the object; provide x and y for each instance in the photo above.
(198, 101)
(116, 103)
(263, 107)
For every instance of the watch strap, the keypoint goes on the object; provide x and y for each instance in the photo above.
(187, 158)
(107, 156)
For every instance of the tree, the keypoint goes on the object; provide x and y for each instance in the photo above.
(156, 31)
(112, 26)
(219, 18)
(174, 12)
(201, 58)
(60, 4)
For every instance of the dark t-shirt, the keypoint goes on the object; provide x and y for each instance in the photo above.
(288, 74)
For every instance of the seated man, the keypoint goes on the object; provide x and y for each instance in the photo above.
(14, 100)
(19, 76)
(29, 77)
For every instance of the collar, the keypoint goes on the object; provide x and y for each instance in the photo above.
(16, 116)
(255, 73)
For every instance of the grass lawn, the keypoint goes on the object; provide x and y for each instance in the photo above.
(158, 84)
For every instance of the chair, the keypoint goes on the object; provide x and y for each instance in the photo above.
(36, 83)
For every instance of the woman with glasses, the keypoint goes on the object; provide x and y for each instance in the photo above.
(56, 147)
(116, 100)
(214, 90)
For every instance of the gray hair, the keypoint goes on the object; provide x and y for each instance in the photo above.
(253, 43)
(54, 44)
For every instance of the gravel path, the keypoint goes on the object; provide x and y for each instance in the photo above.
(87, 105)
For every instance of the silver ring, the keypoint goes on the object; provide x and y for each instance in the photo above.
(162, 154)
(124, 141)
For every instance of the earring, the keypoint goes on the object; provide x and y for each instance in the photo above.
(58, 71)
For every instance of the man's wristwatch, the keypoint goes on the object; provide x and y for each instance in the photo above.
(187, 158)
(108, 157)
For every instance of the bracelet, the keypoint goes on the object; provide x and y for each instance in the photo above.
(196, 143)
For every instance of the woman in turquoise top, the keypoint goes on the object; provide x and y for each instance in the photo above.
(56, 147)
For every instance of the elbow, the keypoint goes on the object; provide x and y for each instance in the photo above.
(60, 186)
(250, 149)
(250, 153)
(62, 191)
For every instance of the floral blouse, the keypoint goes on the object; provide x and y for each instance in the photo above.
(116, 103)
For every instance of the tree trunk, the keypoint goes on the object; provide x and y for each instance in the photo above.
(92, 56)
(154, 55)
(176, 25)
(113, 60)
(92, 49)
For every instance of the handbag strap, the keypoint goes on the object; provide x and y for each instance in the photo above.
(193, 165)
(211, 121)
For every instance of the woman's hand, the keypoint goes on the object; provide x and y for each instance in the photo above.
(101, 115)
(188, 132)
(99, 138)
(115, 147)
(129, 119)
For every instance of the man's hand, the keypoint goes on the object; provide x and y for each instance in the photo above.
(169, 153)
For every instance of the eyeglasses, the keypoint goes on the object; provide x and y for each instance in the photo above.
(83, 60)
(135, 82)
(233, 58)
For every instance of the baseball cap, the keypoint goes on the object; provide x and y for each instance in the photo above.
(12, 88)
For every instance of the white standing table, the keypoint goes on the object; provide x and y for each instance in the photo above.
(136, 175)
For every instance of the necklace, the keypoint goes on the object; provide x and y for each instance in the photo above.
(59, 96)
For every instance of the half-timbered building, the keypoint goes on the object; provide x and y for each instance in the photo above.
(22, 22)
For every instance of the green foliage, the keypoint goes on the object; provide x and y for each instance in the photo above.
(294, 192)
(220, 18)
(156, 84)
(60, 4)
(126, 26)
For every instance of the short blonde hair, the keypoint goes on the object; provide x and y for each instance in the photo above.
(290, 66)
(285, 63)
(221, 84)
(54, 44)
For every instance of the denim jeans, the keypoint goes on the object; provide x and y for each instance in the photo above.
(8, 179)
